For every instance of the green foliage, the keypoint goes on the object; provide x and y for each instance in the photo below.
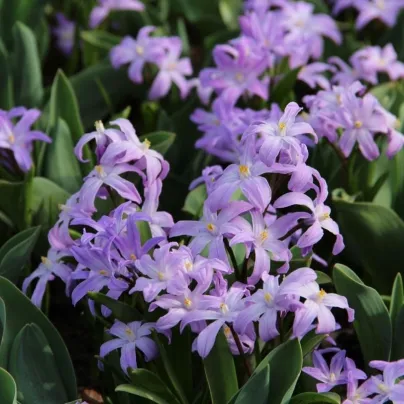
(194, 201)
(16, 313)
(16, 252)
(8, 390)
(320, 398)
(372, 321)
(160, 141)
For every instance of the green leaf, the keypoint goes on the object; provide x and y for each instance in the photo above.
(6, 80)
(397, 351)
(194, 201)
(397, 297)
(255, 390)
(148, 385)
(283, 378)
(100, 39)
(397, 319)
(27, 72)
(16, 252)
(8, 389)
(372, 321)
(33, 365)
(120, 310)
(13, 201)
(61, 164)
(230, 11)
(284, 86)
(310, 341)
(116, 83)
(374, 237)
(19, 311)
(322, 278)
(220, 371)
(320, 398)
(160, 141)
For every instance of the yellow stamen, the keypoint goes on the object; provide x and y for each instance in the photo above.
(282, 126)
(267, 297)
(160, 275)
(322, 294)
(99, 126)
(61, 206)
(358, 124)
(133, 257)
(11, 139)
(383, 388)
(103, 272)
(139, 50)
(339, 99)
(240, 77)
(227, 331)
(188, 265)
(244, 170)
(45, 260)
(211, 227)
(324, 216)
(99, 169)
(333, 377)
(263, 236)
(129, 332)
(224, 308)
(187, 303)
(146, 143)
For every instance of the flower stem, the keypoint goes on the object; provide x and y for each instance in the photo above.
(232, 256)
(240, 349)
(292, 231)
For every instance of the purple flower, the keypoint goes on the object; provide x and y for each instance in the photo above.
(263, 306)
(388, 386)
(99, 13)
(209, 231)
(237, 72)
(130, 337)
(245, 176)
(102, 138)
(64, 33)
(50, 266)
(209, 176)
(264, 239)
(312, 75)
(138, 52)
(317, 305)
(18, 138)
(204, 92)
(328, 376)
(384, 10)
(282, 134)
(356, 394)
(158, 272)
(172, 69)
(221, 309)
(318, 220)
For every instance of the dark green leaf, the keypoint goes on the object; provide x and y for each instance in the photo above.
(6, 80)
(8, 389)
(283, 378)
(148, 385)
(310, 341)
(397, 351)
(19, 312)
(373, 235)
(322, 278)
(61, 164)
(320, 398)
(372, 321)
(16, 252)
(194, 201)
(120, 310)
(27, 72)
(160, 141)
(33, 365)
(397, 298)
(230, 11)
(100, 39)
(255, 390)
(284, 86)
(220, 371)
(12, 201)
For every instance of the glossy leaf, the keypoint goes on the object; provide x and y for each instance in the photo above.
(120, 310)
(19, 311)
(373, 235)
(61, 164)
(33, 365)
(372, 321)
(148, 385)
(220, 371)
(283, 378)
(255, 390)
(27, 72)
(310, 341)
(160, 141)
(13, 201)
(6, 80)
(194, 201)
(320, 398)
(8, 388)
(397, 297)
(16, 252)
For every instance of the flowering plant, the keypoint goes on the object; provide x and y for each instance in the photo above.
(207, 202)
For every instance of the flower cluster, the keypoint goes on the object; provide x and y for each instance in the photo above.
(342, 371)
(344, 116)
(161, 52)
(64, 32)
(17, 137)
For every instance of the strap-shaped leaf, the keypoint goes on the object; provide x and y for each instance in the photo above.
(8, 389)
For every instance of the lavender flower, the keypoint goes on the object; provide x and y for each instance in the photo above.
(312, 75)
(384, 10)
(130, 337)
(18, 138)
(104, 7)
(64, 33)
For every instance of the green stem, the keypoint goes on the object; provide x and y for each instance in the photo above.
(241, 351)
(232, 257)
